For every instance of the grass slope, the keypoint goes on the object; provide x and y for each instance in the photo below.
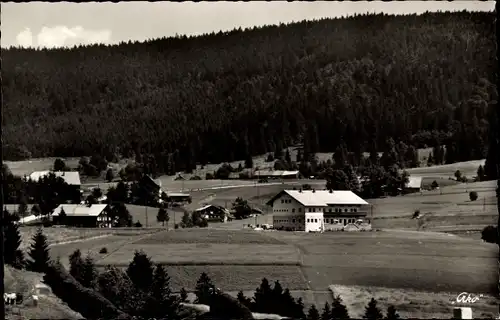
(412, 304)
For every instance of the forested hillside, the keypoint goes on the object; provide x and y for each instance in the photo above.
(423, 80)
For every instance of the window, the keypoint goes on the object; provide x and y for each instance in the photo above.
(300, 209)
(314, 209)
(293, 209)
(316, 220)
(282, 201)
(355, 210)
(308, 219)
(346, 210)
(293, 220)
(330, 210)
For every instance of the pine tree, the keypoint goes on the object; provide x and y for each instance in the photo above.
(288, 157)
(203, 289)
(110, 175)
(299, 309)
(161, 303)
(76, 265)
(326, 314)
(39, 252)
(186, 221)
(289, 303)
(372, 312)
(162, 215)
(12, 241)
(89, 273)
(22, 209)
(249, 162)
(480, 173)
(313, 313)
(339, 310)
(262, 297)
(140, 271)
(391, 313)
(247, 302)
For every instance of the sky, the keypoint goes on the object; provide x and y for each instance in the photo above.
(43, 24)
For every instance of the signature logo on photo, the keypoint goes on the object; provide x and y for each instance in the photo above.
(466, 297)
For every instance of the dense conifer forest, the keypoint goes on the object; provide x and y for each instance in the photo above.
(425, 80)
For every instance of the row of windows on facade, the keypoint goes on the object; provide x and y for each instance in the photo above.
(311, 220)
(319, 210)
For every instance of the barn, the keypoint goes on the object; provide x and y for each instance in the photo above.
(78, 215)
(414, 185)
(314, 210)
(214, 213)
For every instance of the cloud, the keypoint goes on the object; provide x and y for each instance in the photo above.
(60, 36)
(25, 38)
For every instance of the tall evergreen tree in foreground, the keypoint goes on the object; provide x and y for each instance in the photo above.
(89, 273)
(12, 241)
(339, 310)
(203, 290)
(76, 265)
(313, 313)
(326, 314)
(372, 312)
(161, 304)
(39, 255)
(140, 271)
(391, 313)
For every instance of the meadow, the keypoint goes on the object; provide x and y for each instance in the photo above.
(412, 304)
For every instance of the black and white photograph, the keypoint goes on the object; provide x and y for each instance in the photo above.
(250, 160)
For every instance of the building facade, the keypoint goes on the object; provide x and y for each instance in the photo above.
(316, 210)
(87, 216)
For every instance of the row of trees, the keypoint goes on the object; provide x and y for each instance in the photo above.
(38, 253)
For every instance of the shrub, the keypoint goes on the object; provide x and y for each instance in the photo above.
(490, 234)
(209, 176)
(434, 185)
(103, 250)
(473, 196)
(176, 226)
(195, 178)
(138, 224)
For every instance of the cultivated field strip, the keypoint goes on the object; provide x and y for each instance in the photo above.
(212, 236)
(208, 254)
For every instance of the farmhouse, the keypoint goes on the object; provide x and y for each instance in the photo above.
(177, 197)
(151, 185)
(414, 185)
(214, 213)
(77, 215)
(311, 210)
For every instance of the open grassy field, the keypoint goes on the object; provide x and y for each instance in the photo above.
(26, 167)
(467, 168)
(412, 304)
(416, 260)
(56, 235)
(208, 254)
